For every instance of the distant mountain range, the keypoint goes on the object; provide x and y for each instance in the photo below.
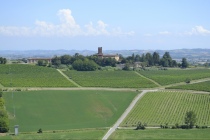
(175, 54)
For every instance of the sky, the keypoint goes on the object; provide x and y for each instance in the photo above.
(111, 24)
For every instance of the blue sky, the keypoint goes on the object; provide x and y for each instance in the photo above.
(111, 24)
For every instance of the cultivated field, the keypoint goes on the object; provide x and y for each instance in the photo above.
(157, 108)
(16, 75)
(160, 134)
(63, 110)
(171, 76)
(202, 86)
(84, 134)
(115, 79)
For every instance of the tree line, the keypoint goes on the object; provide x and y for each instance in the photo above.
(93, 62)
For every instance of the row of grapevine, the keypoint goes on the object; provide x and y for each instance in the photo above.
(166, 77)
(202, 86)
(162, 107)
(117, 79)
(16, 75)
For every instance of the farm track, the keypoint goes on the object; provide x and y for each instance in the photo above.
(84, 88)
(148, 79)
(68, 78)
(123, 116)
(191, 82)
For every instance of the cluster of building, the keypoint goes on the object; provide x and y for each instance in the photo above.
(99, 54)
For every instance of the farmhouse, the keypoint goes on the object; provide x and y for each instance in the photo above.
(101, 55)
(35, 60)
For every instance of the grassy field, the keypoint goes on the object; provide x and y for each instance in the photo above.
(171, 76)
(21, 75)
(62, 110)
(202, 86)
(75, 134)
(193, 134)
(116, 79)
(157, 108)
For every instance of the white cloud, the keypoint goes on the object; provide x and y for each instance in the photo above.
(100, 29)
(164, 33)
(198, 30)
(67, 27)
(148, 35)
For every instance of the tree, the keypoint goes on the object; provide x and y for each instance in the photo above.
(184, 63)
(166, 60)
(56, 61)
(126, 67)
(3, 60)
(86, 65)
(190, 119)
(40, 63)
(149, 59)
(66, 59)
(156, 58)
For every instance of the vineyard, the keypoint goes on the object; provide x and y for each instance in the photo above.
(203, 86)
(16, 75)
(166, 77)
(157, 108)
(116, 79)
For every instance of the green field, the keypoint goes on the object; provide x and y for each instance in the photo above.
(202, 86)
(73, 134)
(115, 79)
(171, 76)
(193, 134)
(31, 76)
(157, 108)
(62, 110)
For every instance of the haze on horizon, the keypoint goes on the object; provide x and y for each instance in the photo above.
(114, 25)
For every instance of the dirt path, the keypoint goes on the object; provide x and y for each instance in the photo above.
(83, 88)
(191, 82)
(130, 107)
(68, 78)
(148, 79)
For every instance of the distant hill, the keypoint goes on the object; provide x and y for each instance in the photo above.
(201, 54)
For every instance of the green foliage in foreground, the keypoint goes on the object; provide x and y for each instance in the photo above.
(202, 86)
(21, 75)
(74, 134)
(166, 77)
(116, 79)
(157, 108)
(4, 120)
(161, 134)
(63, 110)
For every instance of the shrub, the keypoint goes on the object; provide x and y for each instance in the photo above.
(141, 126)
(203, 127)
(4, 125)
(39, 131)
(197, 126)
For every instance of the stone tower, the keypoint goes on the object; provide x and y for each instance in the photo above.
(100, 54)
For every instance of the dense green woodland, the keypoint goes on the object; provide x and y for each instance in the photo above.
(93, 62)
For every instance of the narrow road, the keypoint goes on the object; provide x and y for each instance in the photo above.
(148, 79)
(68, 78)
(119, 121)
